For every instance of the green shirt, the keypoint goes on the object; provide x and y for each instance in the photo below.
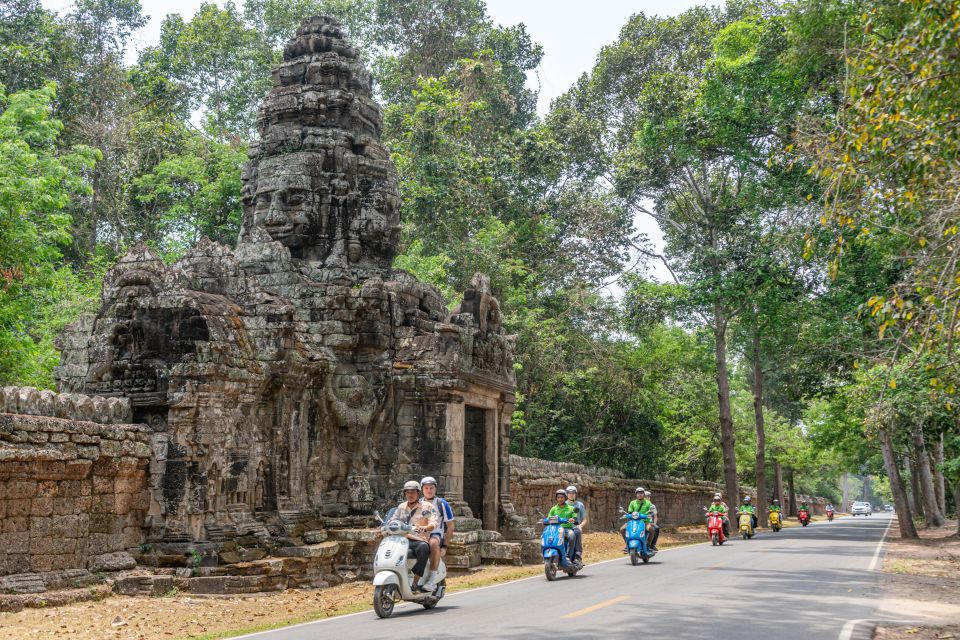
(564, 511)
(774, 507)
(640, 506)
(748, 508)
(716, 508)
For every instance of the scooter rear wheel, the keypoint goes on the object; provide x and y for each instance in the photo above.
(383, 599)
(550, 569)
(634, 558)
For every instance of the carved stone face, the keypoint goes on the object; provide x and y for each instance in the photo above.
(284, 203)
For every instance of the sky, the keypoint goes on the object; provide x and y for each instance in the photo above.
(572, 32)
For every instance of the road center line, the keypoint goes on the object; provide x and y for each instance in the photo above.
(601, 605)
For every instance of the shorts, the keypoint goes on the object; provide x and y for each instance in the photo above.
(443, 541)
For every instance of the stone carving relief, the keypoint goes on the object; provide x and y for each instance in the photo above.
(298, 375)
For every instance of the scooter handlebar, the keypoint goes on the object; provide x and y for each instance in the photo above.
(396, 527)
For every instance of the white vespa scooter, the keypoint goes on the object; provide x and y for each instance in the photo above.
(393, 570)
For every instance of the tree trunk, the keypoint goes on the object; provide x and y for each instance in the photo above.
(904, 514)
(915, 501)
(956, 505)
(777, 480)
(845, 487)
(761, 464)
(939, 482)
(931, 510)
(792, 498)
(723, 397)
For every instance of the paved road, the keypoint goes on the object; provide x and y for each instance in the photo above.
(801, 583)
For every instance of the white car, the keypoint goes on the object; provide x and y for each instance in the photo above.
(861, 509)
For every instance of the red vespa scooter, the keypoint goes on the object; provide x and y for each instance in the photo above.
(715, 527)
(804, 517)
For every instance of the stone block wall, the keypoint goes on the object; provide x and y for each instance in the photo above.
(533, 481)
(603, 491)
(73, 493)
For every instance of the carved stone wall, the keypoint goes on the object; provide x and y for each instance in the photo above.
(298, 377)
(73, 493)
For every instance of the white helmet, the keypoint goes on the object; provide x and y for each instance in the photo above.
(716, 496)
(428, 480)
(571, 489)
(639, 490)
(411, 484)
(560, 492)
(746, 498)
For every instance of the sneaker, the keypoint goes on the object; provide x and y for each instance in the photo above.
(430, 585)
(626, 550)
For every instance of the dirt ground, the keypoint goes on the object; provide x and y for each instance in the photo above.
(181, 616)
(921, 584)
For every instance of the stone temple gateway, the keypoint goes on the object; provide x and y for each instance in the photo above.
(294, 383)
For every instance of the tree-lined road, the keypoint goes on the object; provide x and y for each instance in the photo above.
(796, 584)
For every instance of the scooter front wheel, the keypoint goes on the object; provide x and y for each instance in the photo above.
(383, 599)
(550, 569)
(715, 539)
(634, 560)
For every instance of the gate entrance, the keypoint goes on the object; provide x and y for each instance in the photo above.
(474, 460)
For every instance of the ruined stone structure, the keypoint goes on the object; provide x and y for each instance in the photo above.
(73, 489)
(299, 379)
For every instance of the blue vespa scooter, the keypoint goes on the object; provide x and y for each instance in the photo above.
(556, 550)
(637, 537)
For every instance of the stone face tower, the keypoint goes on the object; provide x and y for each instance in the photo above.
(299, 378)
(320, 182)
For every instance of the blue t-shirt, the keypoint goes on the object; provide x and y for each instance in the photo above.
(581, 510)
(445, 514)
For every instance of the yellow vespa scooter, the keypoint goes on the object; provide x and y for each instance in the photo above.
(775, 523)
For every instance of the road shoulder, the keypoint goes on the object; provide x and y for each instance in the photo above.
(920, 586)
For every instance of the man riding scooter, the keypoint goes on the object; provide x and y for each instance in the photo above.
(776, 515)
(653, 526)
(747, 507)
(581, 510)
(439, 537)
(720, 507)
(640, 505)
(413, 510)
(563, 509)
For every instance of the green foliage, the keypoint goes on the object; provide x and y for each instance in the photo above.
(194, 193)
(37, 182)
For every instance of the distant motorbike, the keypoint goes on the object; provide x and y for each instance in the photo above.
(715, 527)
(745, 520)
(804, 517)
(775, 523)
(829, 515)
(637, 537)
(557, 551)
(392, 569)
